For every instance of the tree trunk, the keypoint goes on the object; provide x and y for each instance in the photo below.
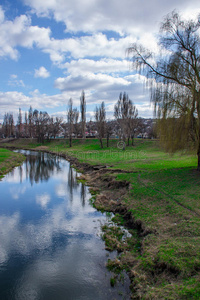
(198, 151)
(132, 140)
(198, 166)
(107, 141)
(70, 141)
(101, 142)
(128, 141)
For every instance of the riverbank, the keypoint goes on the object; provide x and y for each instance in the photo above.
(9, 160)
(157, 197)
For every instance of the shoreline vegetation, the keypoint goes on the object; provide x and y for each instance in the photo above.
(9, 160)
(156, 196)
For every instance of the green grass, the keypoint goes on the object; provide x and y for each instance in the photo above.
(165, 198)
(9, 160)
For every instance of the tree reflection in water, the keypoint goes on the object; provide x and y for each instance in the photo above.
(73, 184)
(83, 194)
(41, 166)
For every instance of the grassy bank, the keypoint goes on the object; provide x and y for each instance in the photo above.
(163, 197)
(8, 160)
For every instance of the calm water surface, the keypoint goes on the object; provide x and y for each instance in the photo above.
(50, 245)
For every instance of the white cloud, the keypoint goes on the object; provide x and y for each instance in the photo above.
(104, 65)
(43, 200)
(42, 72)
(90, 81)
(19, 32)
(129, 16)
(1, 15)
(11, 101)
(14, 81)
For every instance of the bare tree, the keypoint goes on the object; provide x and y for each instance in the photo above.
(70, 120)
(132, 122)
(55, 126)
(26, 124)
(19, 123)
(41, 122)
(8, 125)
(125, 113)
(176, 86)
(108, 130)
(6, 129)
(76, 123)
(11, 124)
(100, 117)
(30, 122)
(83, 113)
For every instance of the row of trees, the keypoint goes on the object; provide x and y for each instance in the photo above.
(36, 124)
(125, 113)
(74, 126)
(39, 124)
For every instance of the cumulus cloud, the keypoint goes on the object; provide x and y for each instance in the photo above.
(93, 16)
(19, 32)
(42, 72)
(11, 101)
(89, 81)
(104, 65)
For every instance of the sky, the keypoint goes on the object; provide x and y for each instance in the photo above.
(52, 50)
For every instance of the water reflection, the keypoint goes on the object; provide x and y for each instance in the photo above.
(50, 237)
(41, 166)
(83, 194)
(43, 200)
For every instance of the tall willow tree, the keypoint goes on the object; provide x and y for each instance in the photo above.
(175, 81)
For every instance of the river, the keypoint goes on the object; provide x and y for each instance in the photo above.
(50, 236)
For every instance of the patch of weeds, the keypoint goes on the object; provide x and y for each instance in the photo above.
(83, 181)
(108, 214)
(113, 281)
(93, 191)
(118, 219)
(113, 238)
(114, 266)
(92, 200)
(118, 268)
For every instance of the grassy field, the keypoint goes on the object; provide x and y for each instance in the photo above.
(9, 160)
(165, 198)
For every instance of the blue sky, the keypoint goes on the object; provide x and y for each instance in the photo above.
(51, 50)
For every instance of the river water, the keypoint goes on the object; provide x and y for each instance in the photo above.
(50, 244)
